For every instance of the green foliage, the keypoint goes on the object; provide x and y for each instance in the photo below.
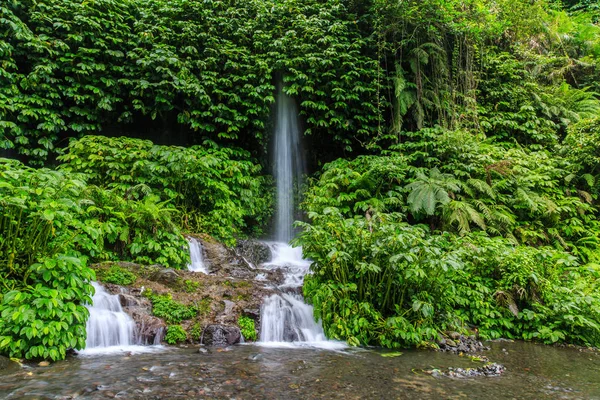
(51, 224)
(72, 68)
(173, 312)
(175, 334)
(44, 278)
(483, 259)
(217, 190)
(581, 147)
(191, 286)
(118, 276)
(46, 316)
(195, 331)
(426, 192)
(247, 328)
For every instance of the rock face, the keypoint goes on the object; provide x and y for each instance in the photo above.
(150, 329)
(221, 335)
(216, 255)
(254, 251)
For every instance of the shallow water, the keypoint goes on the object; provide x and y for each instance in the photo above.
(249, 372)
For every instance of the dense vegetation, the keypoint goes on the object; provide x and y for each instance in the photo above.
(466, 194)
(111, 199)
(482, 211)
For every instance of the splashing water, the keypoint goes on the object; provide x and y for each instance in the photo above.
(196, 256)
(286, 321)
(109, 328)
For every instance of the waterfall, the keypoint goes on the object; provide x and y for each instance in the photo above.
(197, 259)
(288, 164)
(285, 318)
(108, 325)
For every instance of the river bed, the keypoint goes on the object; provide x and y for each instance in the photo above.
(257, 372)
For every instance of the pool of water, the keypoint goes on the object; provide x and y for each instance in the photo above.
(258, 372)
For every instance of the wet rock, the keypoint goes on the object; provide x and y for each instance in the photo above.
(228, 315)
(128, 300)
(221, 335)
(239, 270)
(458, 343)
(216, 255)
(275, 276)
(252, 312)
(488, 370)
(7, 365)
(453, 335)
(254, 251)
(149, 328)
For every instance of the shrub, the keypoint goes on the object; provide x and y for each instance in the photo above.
(175, 334)
(247, 328)
(44, 278)
(163, 306)
(217, 190)
(118, 276)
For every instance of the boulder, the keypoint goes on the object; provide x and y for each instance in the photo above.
(7, 365)
(216, 255)
(150, 329)
(254, 251)
(221, 335)
(166, 276)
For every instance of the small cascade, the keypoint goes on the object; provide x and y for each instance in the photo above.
(289, 260)
(108, 325)
(197, 258)
(285, 319)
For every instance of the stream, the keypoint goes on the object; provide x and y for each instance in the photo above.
(258, 372)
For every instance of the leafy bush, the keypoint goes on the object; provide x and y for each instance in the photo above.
(44, 279)
(190, 286)
(175, 334)
(173, 312)
(217, 190)
(195, 331)
(247, 328)
(118, 276)
(47, 317)
(51, 224)
(179, 63)
(402, 252)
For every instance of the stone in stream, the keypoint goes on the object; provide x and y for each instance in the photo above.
(221, 335)
(457, 343)
(488, 370)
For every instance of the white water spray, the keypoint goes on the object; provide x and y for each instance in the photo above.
(286, 321)
(108, 326)
(197, 259)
